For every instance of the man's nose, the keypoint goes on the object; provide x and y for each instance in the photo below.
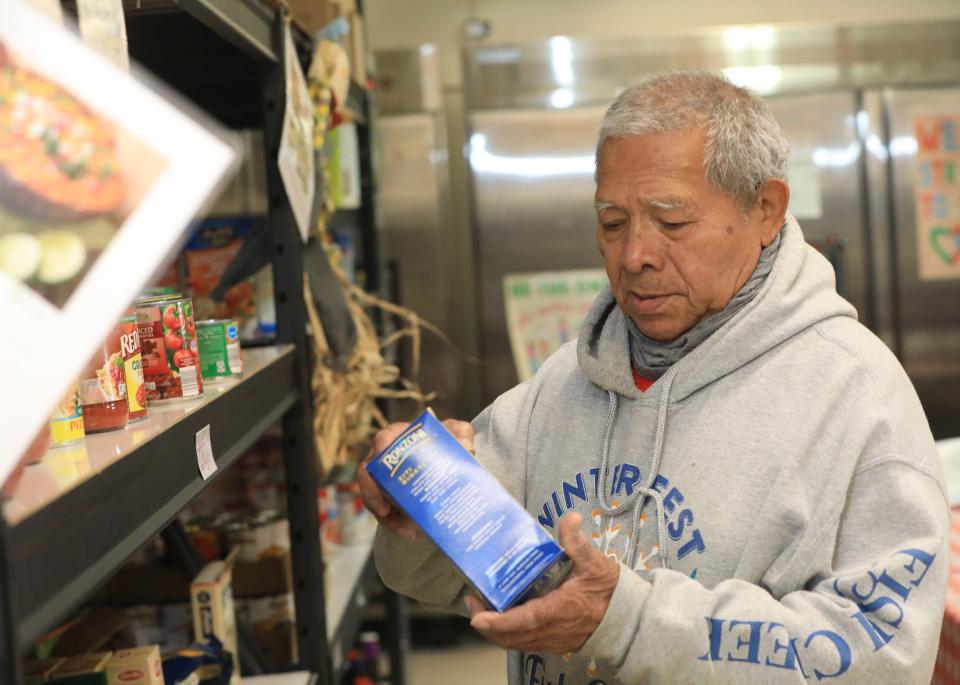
(643, 249)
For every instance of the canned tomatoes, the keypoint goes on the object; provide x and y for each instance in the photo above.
(103, 388)
(219, 349)
(133, 366)
(168, 345)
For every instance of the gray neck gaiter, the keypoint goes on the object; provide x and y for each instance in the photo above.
(651, 358)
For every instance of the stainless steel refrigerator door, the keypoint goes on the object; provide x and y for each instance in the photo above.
(411, 197)
(533, 190)
(928, 285)
(826, 194)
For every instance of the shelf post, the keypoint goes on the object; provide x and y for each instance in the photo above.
(9, 656)
(298, 443)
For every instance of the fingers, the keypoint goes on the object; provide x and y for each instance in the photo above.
(514, 628)
(462, 431)
(373, 498)
(386, 514)
(574, 542)
(384, 437)
(474, 605)
(370, 493)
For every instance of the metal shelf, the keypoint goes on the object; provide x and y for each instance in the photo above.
(347, 576)
(144, 475)
(56, 549)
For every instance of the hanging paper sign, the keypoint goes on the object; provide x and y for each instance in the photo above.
(99, 176)
(102, 28)
(51, 8)
(545, 310)
(295, 158)
(806, 194)
(937, 194)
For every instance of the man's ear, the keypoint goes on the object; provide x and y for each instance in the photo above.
(772, 204)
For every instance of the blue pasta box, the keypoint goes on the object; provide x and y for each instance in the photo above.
(502, 551)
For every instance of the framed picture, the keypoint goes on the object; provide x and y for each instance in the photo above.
(100, 174)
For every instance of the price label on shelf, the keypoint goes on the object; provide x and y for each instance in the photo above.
(205, 460)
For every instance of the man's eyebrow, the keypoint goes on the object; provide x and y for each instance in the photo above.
(669, 203)
(601, 205)
(665, 203)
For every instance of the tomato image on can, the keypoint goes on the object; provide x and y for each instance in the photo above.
(103, 388)
(133, 366)
(168, 346)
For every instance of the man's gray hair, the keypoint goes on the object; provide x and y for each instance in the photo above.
(744, 147)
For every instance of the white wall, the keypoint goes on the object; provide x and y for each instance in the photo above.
(407, 23)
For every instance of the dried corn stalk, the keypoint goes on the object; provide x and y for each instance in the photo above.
(345, 410)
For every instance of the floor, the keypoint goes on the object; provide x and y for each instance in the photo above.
(468, 663)
(451, 652)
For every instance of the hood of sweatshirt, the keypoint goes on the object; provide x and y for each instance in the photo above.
(800, 292)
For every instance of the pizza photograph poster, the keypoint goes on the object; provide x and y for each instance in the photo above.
(101, 172)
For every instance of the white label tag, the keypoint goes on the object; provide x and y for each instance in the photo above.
(205, 458)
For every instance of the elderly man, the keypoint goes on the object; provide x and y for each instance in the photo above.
(741, 473)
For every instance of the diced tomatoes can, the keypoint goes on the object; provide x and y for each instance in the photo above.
(219, 349)
(168, 345)
(133, 366)
(103, 388)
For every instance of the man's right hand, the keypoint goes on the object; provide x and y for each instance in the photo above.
(389, 516)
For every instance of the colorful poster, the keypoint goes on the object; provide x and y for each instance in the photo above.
(295, 158)
(545, 310)
(99, 176)
(937, 194)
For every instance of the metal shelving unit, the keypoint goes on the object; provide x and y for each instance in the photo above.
(226, 56)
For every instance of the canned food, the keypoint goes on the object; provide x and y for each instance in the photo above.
(160, 291)
(168, 344)
(103, 388)
(66, 421)
(133, 367)
(219, 349)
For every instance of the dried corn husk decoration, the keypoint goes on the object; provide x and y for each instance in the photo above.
(345, 410)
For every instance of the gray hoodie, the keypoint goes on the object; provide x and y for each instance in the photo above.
(794, 523)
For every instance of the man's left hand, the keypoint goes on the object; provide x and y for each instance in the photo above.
(563, 620)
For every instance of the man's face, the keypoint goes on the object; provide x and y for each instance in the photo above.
(675, 249)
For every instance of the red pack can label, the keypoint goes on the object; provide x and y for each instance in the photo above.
(168, 346)
(133, 366)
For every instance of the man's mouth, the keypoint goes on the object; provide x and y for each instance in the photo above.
(647, 303)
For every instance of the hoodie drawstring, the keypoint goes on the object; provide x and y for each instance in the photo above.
(637, 499)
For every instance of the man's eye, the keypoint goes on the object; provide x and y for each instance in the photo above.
(674, 224)
(612, 225)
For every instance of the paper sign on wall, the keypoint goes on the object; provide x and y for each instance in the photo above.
(545, 310)
(805, 191)
(295, 158)
(101, 176)
(937, 194)
(103, 28)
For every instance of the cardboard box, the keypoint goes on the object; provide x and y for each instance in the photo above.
(86, 669)
(40, 670)
(311, 15)
(156, 584)
(211, 597)
(90, 634)
(503, 551)
(139, 666)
